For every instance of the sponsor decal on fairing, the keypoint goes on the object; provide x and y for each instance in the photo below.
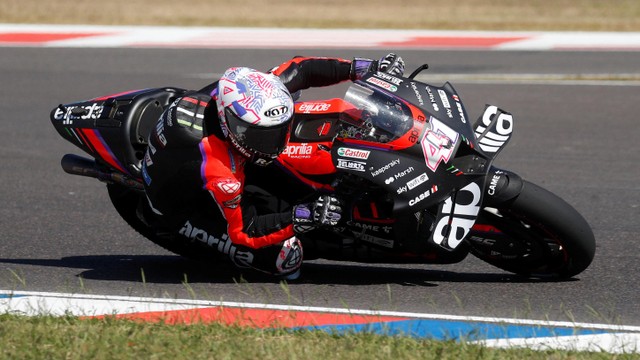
(424, 195)
(383, 84)
(313, 107)
(298, 151)
(92, 111)
(457, 218)
(375, 240)
(444, 99)
(461, 112)
(414, 135)
(404, 172)
(417, 93)
(445, 102)
(491, 141)
(371, 227)
(412, 184)
(354, 153)
(432, 99)
(390, 78)
(385, 168)
(351, 165)
(493, 184)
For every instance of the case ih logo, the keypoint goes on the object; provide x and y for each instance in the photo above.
(354, 153)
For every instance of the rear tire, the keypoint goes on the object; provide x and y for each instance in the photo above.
(127, 203)
(535, 234)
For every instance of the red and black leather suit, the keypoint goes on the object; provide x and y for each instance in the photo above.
(194, 178)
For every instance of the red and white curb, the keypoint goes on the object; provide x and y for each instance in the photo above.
(494, 332)
(212, 37)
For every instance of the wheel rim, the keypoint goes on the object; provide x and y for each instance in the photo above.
(518, 244)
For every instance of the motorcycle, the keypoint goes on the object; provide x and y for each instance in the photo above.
(415, 177)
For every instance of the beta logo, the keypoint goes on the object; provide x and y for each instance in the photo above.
(228, 186)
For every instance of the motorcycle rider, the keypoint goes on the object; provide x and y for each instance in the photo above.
(194, 167)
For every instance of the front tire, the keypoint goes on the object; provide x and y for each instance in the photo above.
(535, 234)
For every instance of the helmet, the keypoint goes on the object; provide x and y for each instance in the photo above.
(255, 110)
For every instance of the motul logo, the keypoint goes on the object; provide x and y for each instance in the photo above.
(276, 111)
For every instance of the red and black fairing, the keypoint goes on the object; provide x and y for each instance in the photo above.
(114, 128)
(410, 139)
(435, 156)
(307, 155)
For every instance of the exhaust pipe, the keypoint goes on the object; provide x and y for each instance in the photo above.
(78, 165)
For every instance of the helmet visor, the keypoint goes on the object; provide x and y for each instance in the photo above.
(262, 139)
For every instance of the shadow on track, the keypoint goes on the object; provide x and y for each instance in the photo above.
(169, 269)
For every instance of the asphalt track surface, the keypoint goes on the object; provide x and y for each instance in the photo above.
(59, 232)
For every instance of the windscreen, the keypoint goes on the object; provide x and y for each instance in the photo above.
(378, 116)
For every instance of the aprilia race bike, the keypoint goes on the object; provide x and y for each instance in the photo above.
(415, 177)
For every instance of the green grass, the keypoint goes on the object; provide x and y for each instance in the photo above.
(73, 338)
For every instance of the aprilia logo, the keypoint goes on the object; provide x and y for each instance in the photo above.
(494, 131)
(314, 107)
(224, 245)
(303, 150)
(457, 218)
(87, 112)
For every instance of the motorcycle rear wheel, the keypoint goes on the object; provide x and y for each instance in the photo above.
(536, 234)
(127, 202)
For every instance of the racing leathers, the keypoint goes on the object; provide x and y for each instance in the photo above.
(194, 179)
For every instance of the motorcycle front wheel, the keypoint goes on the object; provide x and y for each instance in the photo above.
(535, 234)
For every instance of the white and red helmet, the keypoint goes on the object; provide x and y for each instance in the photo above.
(255, 110)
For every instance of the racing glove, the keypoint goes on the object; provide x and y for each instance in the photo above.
(391, 64)
(325, 211)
